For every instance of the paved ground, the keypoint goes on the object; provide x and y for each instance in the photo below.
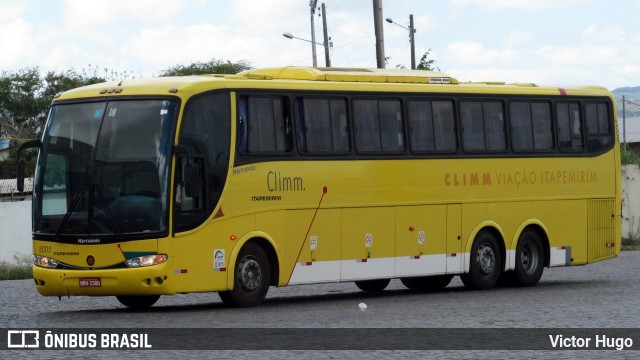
(601, 295)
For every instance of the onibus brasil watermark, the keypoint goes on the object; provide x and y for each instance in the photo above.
(33, 339)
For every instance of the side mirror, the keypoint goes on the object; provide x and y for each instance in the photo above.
(20, 179)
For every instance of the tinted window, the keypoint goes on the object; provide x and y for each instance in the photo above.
(569, 126)
(325, 126)
(531, 126)
(599, 128)
(432, 126)
(378, 125)
(264, 124)
(482, 125)
(206, 129)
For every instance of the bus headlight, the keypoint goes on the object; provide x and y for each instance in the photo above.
(45, 262)
(147, 260)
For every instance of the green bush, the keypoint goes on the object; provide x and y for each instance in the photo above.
(19, 269)
(628, 157)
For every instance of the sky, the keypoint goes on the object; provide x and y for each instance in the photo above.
(548, 42)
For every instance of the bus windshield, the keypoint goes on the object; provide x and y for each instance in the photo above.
(104, 170)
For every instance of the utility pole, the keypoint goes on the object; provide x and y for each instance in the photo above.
(412, 40)
(624, 122)
(312, 4)
(379, 31)
(327, 60)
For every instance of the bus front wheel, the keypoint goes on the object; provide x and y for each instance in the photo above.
(486, 263)
(251, 278)
(138, 302)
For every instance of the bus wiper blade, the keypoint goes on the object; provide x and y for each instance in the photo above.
(67, 215)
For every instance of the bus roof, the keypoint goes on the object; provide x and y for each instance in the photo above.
(297, 76)
(349, 74)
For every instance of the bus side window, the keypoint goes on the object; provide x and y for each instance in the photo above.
(531, 128)
(432, 126)
(324, 126)
(569, 126)
(378, 126)
(599, 132)
(265, 124)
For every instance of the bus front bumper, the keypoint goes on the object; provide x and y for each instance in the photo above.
(151, 280)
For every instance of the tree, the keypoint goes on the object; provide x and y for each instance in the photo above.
(25, 96)
(213, 66)
(425, 63)
(56, 83)
(20, 99)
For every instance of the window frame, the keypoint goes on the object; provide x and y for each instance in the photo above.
(401, 134)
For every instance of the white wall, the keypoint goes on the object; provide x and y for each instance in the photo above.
(15, 229)
(15, 217)
(630, 201)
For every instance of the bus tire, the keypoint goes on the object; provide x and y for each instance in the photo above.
(485, 263)
(372, 285)
(529, 259)
(429, 283)
(251, 278)
(138, 302)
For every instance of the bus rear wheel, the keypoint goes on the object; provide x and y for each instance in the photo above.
(529, 259)
(429, 283)
(486, 263)
(251, 278)
(138, 302)
(372, 285)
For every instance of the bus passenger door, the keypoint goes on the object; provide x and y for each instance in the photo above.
(454, 241)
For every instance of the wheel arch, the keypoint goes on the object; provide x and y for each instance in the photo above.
(267, 244)
(494, 229)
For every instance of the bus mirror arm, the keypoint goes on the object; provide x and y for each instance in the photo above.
(21, 164)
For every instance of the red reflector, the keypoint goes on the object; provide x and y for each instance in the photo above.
(562, 91)
(363, 260)
(563, 247)
(309, 263)
(183, 271)
(453, 254)
(417, 257)
(223, 269)
(219, 214)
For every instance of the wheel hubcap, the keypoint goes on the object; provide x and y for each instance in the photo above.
(486, 259)
(529, 258)
(249, 274)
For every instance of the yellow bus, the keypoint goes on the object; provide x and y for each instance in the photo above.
(296, 175)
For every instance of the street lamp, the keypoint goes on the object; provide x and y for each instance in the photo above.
(290, 36)
(412, 39)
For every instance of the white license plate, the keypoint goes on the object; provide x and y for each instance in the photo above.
(90, 282)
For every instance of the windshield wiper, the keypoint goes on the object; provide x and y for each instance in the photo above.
(67, 215)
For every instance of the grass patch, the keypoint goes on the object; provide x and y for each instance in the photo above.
(18, 269)
(631, 243)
